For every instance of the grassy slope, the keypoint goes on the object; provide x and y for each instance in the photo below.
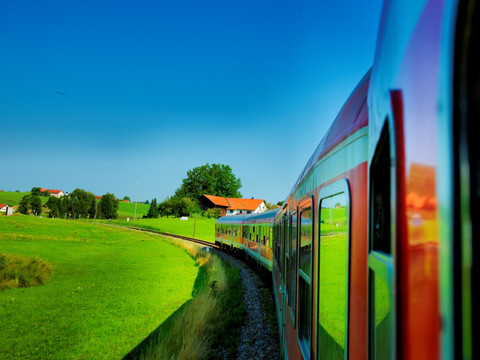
(204, 228)
(13, 198)
(110, 288)
(127, 210)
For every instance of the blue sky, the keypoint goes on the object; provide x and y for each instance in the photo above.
(100, 95)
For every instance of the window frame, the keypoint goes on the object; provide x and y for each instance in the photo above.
(306, 204)
(336, 188)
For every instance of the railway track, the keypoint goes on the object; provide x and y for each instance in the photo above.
(198, 241)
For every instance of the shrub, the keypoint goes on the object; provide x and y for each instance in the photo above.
(21, 272)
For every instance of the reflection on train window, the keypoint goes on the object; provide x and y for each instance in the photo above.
(382, 321)
(305, 282)
(333, 278)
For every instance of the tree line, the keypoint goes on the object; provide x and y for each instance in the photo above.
(79, 204)
(214, 179)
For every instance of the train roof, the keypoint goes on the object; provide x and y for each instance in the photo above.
(352, 116)
(232, 219)
(264, 217)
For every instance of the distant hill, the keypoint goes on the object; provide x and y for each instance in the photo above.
(127, 210)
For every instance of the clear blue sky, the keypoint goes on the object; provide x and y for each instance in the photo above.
(100, 95)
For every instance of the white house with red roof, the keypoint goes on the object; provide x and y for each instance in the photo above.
(3, 207)
(232, 206)
(53, 192)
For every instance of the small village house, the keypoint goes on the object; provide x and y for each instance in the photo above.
(8, 210)
(53, 192)
(232, 206)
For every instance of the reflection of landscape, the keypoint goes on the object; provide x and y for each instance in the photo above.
(382, 318)
(333, 264)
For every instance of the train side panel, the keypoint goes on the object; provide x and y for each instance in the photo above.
(413, 109)
(310, 321)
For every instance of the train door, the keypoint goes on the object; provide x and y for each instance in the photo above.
(304, 248)
(332, 269)
(381, 270)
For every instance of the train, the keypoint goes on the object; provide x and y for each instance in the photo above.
(373, 252)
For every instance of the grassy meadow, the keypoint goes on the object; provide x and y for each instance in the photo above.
(13, 198)
(204, 227)
(127, 210)
(109, 289)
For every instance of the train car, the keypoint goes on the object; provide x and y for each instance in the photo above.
(374, 252)
(258, 237)
(229, 231)
(424, 183)
(320, 244)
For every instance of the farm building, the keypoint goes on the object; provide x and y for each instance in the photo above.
(53, 192)
(8, 210)
(232, 206)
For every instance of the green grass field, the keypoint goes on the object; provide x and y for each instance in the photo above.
(13, 198)
(109, 289)
(204, 228)
(127, 210)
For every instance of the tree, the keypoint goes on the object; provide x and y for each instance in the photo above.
(215, 179)
(36, 205)
(30, 202)
(24, 205)
(36, 191)
(108, 207)
(152, 210)
(82, 204)
(53, 204)
(165, 208)
(126, 198)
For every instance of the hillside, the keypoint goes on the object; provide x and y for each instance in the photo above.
(109, 289)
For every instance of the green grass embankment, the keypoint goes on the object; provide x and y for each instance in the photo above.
(213, 318)
(109, 289)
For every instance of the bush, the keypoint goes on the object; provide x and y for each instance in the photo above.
(21, 272)
(213, 213)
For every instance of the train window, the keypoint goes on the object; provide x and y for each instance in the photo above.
(275, 241)
(305, 281)
(333, 250)
(292, 269)
(381, 314)
(380, 196)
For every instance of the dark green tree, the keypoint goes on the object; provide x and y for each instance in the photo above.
(24, 205)
(36, 205)
(184, 207)
(108, 207)
(215, 179)
(53, 205)
(152, 210)
(82, 204)
(36, 191)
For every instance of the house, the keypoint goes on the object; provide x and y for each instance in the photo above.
(8, 210)
(53, 192)
(232, 206)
